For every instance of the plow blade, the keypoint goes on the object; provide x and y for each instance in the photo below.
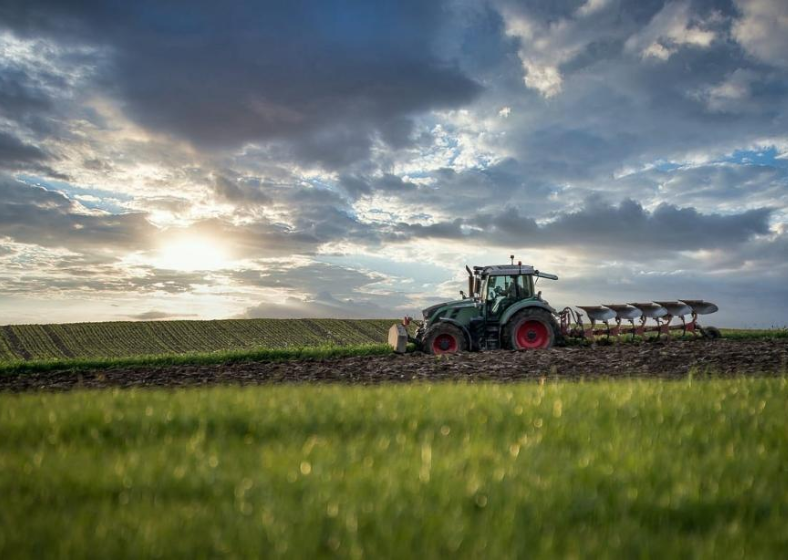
(651, 310)
(625, 311)
(598, 312)
(675, 308)
(700, 307)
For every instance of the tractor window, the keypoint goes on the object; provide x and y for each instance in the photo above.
(503, 291)
(513, 287)
(496, 287)
(524, 286)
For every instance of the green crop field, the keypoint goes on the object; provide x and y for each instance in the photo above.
(156, 338)
(610, 469)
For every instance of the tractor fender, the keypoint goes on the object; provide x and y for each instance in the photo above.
(509, 313)
(465, 332)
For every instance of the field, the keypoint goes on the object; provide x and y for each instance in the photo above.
(435, 462)
(156, 338)
(90, 346)
(613, 469)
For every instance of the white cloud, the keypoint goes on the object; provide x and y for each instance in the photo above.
(731, 94)
(592, 7)
(543, 48)
(668, 31)
(543, 78)
(763, 30)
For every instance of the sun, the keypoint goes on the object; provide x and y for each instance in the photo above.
(192, 253)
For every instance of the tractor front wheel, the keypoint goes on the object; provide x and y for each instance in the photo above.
(444, 338)
(531, 329)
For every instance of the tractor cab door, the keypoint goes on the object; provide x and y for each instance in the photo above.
(503, 291)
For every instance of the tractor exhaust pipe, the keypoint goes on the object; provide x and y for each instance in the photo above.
(471, 283)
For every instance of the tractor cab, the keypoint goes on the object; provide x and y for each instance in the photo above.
(502, 286)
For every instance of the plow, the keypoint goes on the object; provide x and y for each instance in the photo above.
(503, 310)
(668, 317)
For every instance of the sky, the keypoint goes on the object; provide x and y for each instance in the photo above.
(204, 160)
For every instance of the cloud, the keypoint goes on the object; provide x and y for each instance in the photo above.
(591, 7)
(154, 315)
(239, 191)
(299, 278)
(762, 30)
(625, 229)
(321, 306)
(15, 153)
(323, 81)
(625, 138)
(39, 216)
(732, 94)
(670, 29)
(725, 186)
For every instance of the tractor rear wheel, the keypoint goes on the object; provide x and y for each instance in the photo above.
(444, 338)
(530, 329)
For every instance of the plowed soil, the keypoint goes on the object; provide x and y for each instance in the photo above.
(662, 360)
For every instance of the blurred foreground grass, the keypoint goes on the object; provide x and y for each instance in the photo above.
(621, 469)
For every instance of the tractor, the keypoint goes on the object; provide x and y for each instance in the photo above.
(503, 310)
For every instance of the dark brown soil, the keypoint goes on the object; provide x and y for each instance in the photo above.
(663, 360)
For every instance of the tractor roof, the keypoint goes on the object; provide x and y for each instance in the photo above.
(511, 270)
(504, 269)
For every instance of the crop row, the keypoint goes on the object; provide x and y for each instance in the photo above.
(119, 339)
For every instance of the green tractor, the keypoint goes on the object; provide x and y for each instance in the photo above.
(501, 310)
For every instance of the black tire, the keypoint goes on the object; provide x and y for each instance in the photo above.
(439, 339)
(712, 333)
(530, 329)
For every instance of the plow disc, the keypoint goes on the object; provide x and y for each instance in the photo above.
(637, 319)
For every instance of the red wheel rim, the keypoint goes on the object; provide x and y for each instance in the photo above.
(532, 334)
(444, 344)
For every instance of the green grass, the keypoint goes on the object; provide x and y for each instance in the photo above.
(695, 468)
(756, 334)
(167, 338)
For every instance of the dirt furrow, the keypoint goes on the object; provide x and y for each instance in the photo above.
(653, 360)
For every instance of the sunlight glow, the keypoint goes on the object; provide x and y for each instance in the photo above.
(192, 253)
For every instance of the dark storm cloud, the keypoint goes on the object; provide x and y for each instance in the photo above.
(239, 190)
(667, 227)
(324, 78)
(18, 95)
(36, 215)
(454, 192)
(604, 227)
(15, 153)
